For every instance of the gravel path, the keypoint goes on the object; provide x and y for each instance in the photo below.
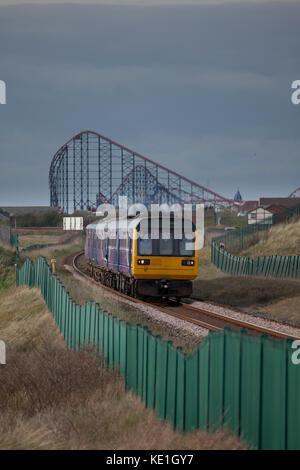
(151, 314)
(264, 322)
(184, 329)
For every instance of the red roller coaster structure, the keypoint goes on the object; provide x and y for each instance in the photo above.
(91, 169)
(295, 193)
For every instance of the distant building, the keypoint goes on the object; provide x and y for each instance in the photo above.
(248, 206)
(238, 196)
(268, 206)
(263, 214)
(279, 201)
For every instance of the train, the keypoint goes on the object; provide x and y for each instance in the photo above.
(133, 261)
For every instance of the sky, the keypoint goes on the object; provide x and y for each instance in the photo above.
(201, 87)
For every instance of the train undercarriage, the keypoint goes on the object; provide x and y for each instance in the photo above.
(157, 288)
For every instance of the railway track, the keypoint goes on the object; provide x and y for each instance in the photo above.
(203, 318)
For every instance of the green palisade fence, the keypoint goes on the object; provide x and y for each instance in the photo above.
(246, 383)
(268, 266)
(14, 240)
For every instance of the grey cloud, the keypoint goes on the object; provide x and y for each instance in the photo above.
(208, 83)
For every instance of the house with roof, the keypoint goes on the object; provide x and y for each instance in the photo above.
(247, 206)
(264, 214)
(285, 202)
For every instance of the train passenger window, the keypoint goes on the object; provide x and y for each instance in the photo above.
(145, 247)
(105, 248)
(185, 247)
(165, 246)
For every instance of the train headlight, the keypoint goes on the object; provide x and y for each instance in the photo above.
(143, 262)
(187, 262)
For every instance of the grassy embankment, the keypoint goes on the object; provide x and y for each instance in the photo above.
(276, 298)
(7, 268)
(53, 398)
(227, 219)
(272, 297)
(82, 291)
(42, 237)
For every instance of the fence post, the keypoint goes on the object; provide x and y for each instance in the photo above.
(192, 391)
(292, 397)
(216, 381)
(251, 387)
(232, 379)
(171, 395)
(161, 378)
(181, 390)
(204, 372)
(273, 408)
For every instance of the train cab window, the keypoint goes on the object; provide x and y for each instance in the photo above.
(185, 247)
(165, 246)
(145, 247)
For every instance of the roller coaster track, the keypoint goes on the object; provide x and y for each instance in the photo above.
(91, 169)
(295, 193)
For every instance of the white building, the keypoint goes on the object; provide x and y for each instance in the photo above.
(263, 214)
(258, 215)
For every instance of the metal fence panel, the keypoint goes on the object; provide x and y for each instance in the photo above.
(171, 385)
(248, 383)
(292, 398)
(180, 391)
(250, 414)
(216, 381)
(161, 378)
(232, 380)
(273, 406)
(204, 384)
(192, 391)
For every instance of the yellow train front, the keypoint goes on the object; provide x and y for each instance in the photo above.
(155, 263)
(164, 267)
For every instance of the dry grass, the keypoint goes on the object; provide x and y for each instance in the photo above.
(286, 309)
(75, 243)
(54, 398)
(276, 298)
(83, 291)
(245, 291)
(7, 269)
(45, 237)
(37, 239)
(59, 251)
(207, 270)
(282, 239)
(7, 247)
(29, 232)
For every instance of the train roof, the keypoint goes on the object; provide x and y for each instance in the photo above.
(126, 224)
(113, 224)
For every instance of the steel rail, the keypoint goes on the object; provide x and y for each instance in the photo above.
(217, 321)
